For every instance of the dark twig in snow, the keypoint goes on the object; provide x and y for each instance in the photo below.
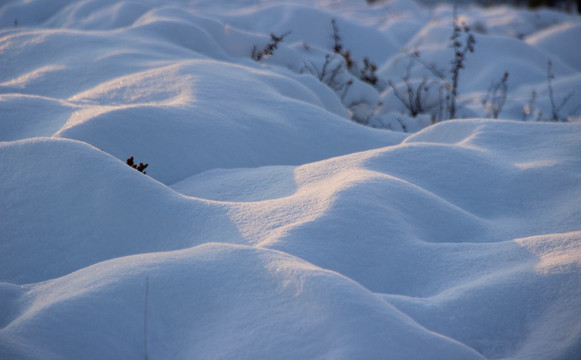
(460, 52)
(496, 97)
(141, 167)
(269, 48)
(414, 98)
(556, 116)
(530, 106)
(329, 73)
(338, 47)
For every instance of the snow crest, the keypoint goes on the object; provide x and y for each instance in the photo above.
(270, 225)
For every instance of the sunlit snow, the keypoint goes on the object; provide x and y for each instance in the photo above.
(288, 212)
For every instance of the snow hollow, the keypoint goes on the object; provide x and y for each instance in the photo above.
(310, 180)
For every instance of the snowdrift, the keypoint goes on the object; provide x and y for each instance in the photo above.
(269, 224)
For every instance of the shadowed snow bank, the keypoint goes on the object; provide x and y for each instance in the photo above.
(269, 225)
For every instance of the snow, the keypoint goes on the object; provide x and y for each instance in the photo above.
(281, 218)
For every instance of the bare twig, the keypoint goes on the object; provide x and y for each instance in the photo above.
(530, 106)
(269, 47)
(438, 73)
(460, 52)
(414, 98)
(556, 116)
(338, 46)
(329, 73)
(368, 72)
(496, 97)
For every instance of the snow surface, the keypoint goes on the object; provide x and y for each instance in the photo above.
(269, 224)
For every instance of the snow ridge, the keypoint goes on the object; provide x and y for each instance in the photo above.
(270, 225)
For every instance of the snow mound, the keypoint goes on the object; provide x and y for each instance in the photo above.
(199, 127)
(78, 200)
(266, 303)
(552, 39)
(270, 222)
(453, 234)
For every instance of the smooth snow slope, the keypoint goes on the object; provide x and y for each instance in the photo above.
(269, 225)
